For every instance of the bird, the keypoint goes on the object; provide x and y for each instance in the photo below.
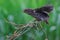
(40, 14)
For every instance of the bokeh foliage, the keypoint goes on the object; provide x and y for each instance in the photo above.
(12, 10)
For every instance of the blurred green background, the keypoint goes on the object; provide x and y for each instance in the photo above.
(13, 11)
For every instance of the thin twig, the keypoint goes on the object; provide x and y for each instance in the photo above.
(24, 28)
(21, 30)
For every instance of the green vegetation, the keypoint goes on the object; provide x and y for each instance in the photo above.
(12, 10)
